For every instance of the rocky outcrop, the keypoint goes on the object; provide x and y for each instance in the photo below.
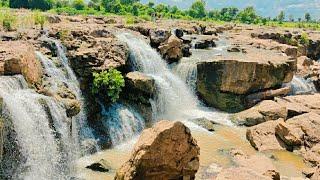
(18, 57)
(166, 151)
(158, 36)
(204, 42)
(92, 51)
(300, 134)
(218, 80)
(139, 89)
(172, 49)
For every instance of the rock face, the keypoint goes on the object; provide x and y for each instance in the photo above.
(166, 151)
(139, 89)
(224, 83)
(172, 49)
(18, 57)
(92, 51)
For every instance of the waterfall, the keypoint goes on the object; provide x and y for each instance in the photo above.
(59, 73)
(174, 101)
(122, 122)
(38, 131)
(300, 85)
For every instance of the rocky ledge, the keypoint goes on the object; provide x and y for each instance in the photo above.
(227, 81)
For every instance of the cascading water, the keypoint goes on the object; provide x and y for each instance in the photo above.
(42, 133)
(59, 73)
(174, 101)
(122, 122)
(301, 86)
(186, 69)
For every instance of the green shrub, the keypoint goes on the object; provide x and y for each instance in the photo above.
(78, 4)
(8, 21)
(39, 19)
(110, 81)
(304, 39)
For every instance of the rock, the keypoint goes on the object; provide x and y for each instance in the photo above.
(53, 19)
(178, 32)
(262, 137)
(171, 49)
(293, 108)
(265, 111)
(205, 123)
(95, 51)
(316, 175)
(141, 82)
(168, 138)
(210, 31)
(226, 81)
(236, 49)
(72, 106)
(300, 130)
(101, 166)
(254, 98)
(312, 155)
(204, 42)
(18, 57)
(240, 173)
(158, 36)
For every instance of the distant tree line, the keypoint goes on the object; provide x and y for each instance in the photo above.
(134, 7)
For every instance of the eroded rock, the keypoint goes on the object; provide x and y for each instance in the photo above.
(166, 151)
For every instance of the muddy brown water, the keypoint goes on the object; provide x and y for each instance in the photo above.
(213, 152)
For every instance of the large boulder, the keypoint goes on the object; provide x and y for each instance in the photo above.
(226, 81)
(172, 49)
(166, 151)
(158, 36)
(18, 57)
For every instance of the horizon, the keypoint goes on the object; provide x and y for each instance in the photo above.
(271, 8)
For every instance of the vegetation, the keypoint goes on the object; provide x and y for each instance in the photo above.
(151, 11)
(110, 82)
(39, 19)
(7, 20)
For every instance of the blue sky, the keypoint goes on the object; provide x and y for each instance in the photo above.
(296, 8)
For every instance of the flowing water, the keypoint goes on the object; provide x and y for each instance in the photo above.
(122, 122)
(175, 100)
(42, 128)
(300, 85)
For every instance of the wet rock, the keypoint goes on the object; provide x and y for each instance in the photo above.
(263, 138)
(158, 36)
(210, 31)
(178, 32)
(171, 49)
(147, 161)
(225, 82)
(141, 82)
(265, 111)
(18, 57)
(101, 166)
(204, 42)
(205, 123)
(72, 107)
